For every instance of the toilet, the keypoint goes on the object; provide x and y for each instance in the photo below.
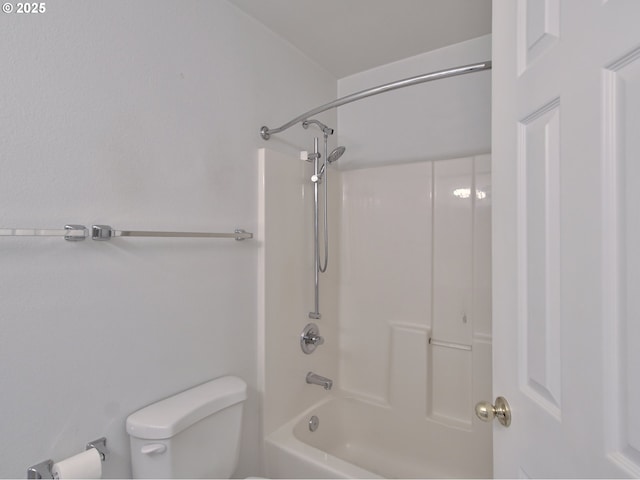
(194, 434)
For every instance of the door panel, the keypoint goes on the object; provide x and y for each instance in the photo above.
(621, 109)
(538, 259)
(566, 233)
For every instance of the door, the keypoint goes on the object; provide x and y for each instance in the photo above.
(566, 233)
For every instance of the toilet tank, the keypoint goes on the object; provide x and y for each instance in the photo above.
(194, 434)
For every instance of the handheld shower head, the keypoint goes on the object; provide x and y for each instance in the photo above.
(336, 154)
(333, 156)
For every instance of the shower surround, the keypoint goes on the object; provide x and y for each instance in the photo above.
(406, 315)
(415, 286)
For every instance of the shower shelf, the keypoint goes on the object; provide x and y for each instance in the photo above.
(74, 233)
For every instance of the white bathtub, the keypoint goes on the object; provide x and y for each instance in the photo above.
(358, 439)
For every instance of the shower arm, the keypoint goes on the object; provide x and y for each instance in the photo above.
(266, 132)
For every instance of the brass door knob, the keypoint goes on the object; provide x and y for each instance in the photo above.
(487, 412)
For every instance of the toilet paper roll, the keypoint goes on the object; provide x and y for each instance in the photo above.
(87, 464)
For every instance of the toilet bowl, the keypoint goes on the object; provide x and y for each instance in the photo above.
(194, 434)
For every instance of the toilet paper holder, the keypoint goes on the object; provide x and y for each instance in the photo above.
(44, 468)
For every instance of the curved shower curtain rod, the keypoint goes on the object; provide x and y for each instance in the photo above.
(266, 132)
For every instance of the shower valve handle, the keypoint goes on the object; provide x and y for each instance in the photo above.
(310, 338)
(314, 340)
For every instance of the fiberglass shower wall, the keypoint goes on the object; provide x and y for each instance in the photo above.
(415, 292)
(285, 287)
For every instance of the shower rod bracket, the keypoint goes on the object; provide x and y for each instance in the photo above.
(264, 132)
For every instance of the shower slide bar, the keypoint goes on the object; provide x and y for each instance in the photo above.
(457, 346)
(75, 233)
(266, 132)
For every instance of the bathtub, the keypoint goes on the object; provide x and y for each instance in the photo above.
(359, 439)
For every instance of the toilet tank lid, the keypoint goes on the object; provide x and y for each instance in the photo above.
(170, 416)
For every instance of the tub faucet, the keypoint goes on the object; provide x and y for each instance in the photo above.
(319, 380)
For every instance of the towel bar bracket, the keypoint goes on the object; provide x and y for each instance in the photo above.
(75, 233)
(101, 232)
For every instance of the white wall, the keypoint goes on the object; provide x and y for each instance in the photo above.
(141, 115)
(431, 121)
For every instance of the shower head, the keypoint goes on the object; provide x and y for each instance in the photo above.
(336, 154)
(326, 130)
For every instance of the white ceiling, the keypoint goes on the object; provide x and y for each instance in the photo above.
(350, 36)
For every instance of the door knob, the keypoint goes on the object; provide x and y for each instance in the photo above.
(487, 412)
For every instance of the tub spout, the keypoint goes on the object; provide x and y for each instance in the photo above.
(319, 380)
